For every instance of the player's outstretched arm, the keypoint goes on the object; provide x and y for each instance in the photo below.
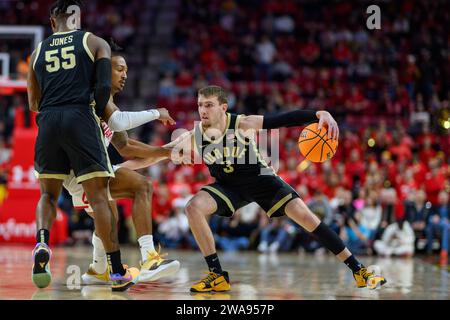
(126, 120)
(180, 151)
(291, 119)
(102, 85)
(130, 148)
(136, 164)
(33, 89)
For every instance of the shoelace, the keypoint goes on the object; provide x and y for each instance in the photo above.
(366, 274)
(211, 276)
(157, 255)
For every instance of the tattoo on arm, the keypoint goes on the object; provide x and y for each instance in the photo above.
(119, 140)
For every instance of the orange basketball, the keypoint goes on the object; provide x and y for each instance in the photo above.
(314, 145)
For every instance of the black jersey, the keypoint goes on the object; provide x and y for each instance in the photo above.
(64, 68)
(230, 158)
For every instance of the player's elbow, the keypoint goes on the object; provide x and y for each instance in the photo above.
(33, 106)
(101, 96)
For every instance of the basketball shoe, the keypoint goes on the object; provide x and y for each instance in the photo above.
(368, 279)
(155, 267)
(91, 276)
(122, 283)
(41, 274)
(217, 282)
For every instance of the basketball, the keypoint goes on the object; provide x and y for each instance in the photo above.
(314, 145)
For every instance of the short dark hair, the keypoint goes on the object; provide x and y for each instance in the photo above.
(59, 8)
(217, 91)
(116, 50)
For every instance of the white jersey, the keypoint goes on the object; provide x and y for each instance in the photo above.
(107, 133)
(79, 199)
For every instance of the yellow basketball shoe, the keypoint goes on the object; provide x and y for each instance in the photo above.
(368, 279)
(216, 282)
(93, 277)
(155, 267)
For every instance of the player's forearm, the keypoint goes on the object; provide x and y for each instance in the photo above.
(126, 120)
(34, 93)
(289, 119)
(102, 88)
(138, 149)
(136, 164)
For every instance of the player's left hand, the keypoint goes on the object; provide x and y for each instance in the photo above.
(165, 117)
(325, 118)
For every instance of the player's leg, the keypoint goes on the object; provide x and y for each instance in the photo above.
(212, 199)
(201, 206)
(98, 272)
(277, 197)
(45, 215)
(90, 163)
(52, 167)
(106, 228)
(297, 210)
(198, 209)
(132, 185)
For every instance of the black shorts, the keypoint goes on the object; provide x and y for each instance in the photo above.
(70, 137)
(270, 192)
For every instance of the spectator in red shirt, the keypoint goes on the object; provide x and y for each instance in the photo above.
(402, 151)
(426, 151)
(355, 166)
(342, 54)
(434, 182)
(309, 52)
(161, 204)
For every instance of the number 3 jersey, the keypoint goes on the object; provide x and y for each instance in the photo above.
(230, 158)
(64, 67)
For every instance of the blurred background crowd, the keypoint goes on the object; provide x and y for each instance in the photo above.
(385, 192)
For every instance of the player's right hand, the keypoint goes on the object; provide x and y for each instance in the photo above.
(165, 117)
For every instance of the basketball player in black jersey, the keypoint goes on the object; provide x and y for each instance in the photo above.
(226, 142)
(64, 70)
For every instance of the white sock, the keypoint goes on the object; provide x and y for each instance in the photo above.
(146, 245)
(99, 260)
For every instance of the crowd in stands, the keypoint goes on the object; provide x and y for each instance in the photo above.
(386, 191)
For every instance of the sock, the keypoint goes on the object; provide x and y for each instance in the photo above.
(146, 245)
(43, 236)
(99, 260)
(353, 263)
(115, 263)
(213, 263)
(332, 242)
(329, 239)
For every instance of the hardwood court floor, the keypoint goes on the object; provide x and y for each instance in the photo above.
(253, 276)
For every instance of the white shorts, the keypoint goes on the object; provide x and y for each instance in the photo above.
(75, 189)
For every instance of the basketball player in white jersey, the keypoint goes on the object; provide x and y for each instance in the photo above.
(126, 184)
